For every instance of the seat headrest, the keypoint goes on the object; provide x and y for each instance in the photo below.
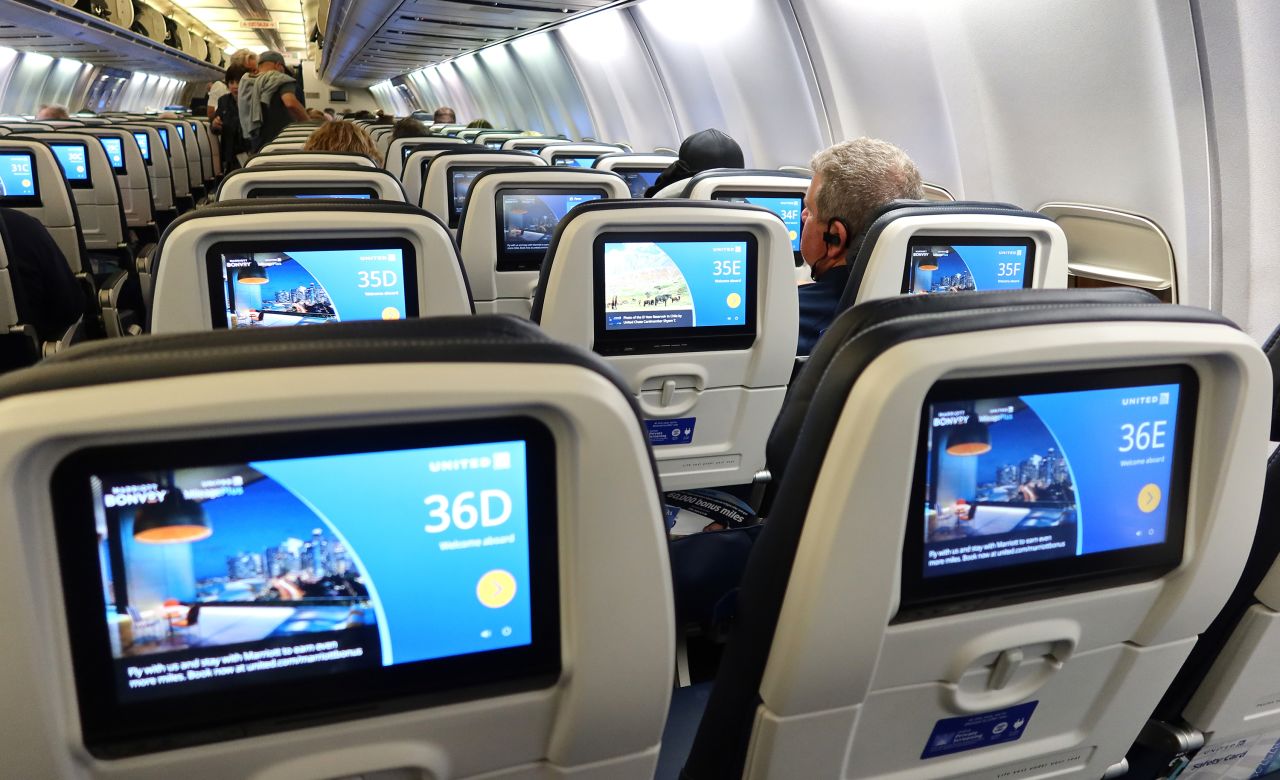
(893, 320)
(862, 249)
(455, 339)
(775, 178)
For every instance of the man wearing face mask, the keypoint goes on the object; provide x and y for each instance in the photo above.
(850, 181)
(702, 151)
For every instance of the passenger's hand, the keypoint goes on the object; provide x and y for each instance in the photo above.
(217, 123)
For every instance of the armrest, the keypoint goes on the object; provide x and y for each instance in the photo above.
(71, 336)
(109, 303)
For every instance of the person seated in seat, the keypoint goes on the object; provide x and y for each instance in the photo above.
(409, 128)
(445, 116)
(850, 181)
(331, 115)
(480, 124)
(317, 115)
(702, 151)
(52, 112)
(45, 291)
(342, 137)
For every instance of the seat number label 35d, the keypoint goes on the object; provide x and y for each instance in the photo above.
(970, 732)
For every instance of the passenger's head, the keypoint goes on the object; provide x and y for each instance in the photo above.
(481, 124)
(234, 74)
(245, 59)
(342, 137)
(850, 181)
(316, 115)
(330, 114)
(702, 151)
(53, 112)
(271, 61)
(445, 116)
(409, 128)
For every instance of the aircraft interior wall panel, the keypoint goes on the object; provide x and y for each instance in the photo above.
(737, 65)
(625, 95)
(484, 89)
(1243, 73)
(1091, 101)
(554, 85)
(26, 86)
(451, 89)
(514, 93)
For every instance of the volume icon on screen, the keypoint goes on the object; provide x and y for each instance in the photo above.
(496, 589)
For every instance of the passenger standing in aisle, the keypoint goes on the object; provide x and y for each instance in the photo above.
(243, 58)
(268, 102)
(226, 121)
(850, 181)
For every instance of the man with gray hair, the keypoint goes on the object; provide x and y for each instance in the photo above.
(850, 181)
(53, 112)
(243, 58)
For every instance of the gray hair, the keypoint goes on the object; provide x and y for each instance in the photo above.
(860, 176)
(240, 57)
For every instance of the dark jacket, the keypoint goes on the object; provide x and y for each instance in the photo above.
(818, 302)
(231, 138)
(46, 292)
(702, 151)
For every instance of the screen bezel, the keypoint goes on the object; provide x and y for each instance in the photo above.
(218, 296)
(145, 152)
(23, 201)
(923, 597)
(124, 165)
(528, 261)
(76, 184)
(455, 214)
(712, 338)
(293, 192)
(112, 729)
(1028, 271)
(725, 195)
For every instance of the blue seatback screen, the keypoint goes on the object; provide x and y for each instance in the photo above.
(17, 175)
(144, 145)
(575, 161)
(675, 284)
(164, 137)
(349, 195)
(72, 159)
(182, 133)
(115, 152)
(528, 221)
(311, 287)
(1036, 477)
(961, 265)
(787, 207)
(638, 181)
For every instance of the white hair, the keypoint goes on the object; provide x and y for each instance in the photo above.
(860, 176)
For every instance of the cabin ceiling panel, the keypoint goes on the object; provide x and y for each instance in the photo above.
(369, 42)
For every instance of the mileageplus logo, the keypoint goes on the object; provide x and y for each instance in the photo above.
(499, 461)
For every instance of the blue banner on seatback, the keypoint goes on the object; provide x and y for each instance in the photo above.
(970, 732)
(677, 431)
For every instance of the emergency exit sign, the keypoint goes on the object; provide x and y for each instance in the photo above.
(257, 24)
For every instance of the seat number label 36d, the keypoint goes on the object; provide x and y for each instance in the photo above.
(970, 732)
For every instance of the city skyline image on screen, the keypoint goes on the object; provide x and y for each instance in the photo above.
(937, 268)
(1035, 477)
(270, 289)
(261, 571)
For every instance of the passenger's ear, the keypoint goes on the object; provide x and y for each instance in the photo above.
(836, 238)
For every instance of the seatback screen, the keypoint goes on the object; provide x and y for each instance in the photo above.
(164, 136)
(114, 148)
(311, 283)
(346, 195)
(460, 179)
(72, 159)
(182, 133)
(18, 184)
(528, 219)
(786, 206)
(1021, 483)
(144, 145)
(313, 193)
(675, 291)
(639, 180)
(306, 571)
(963, 264)
(575, 160)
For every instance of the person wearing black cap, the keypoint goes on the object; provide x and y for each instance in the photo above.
(268, 102)
(702, 151)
